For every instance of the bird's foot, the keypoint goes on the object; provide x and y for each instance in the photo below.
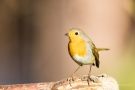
(92, 78)
(70, 79)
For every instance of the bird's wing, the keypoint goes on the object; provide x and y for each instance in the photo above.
(95, 53)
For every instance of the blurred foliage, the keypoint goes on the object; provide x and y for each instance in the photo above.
(126, 75)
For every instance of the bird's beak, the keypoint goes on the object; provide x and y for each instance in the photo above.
(66, 34)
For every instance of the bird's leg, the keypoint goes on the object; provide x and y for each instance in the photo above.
(88, 80)
(90, 71)
(74, 73)
(71, 77)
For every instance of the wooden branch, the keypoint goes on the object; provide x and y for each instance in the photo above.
(100, 82)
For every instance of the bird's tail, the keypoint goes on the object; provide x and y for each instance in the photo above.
(101, 49)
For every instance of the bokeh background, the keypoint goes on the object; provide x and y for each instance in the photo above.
(33, 47)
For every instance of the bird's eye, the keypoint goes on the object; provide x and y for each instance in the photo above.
(76, 33)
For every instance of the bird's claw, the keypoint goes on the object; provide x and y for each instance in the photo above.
(92, 78)
(70, 79)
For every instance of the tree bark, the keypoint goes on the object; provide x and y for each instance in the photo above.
(99, 82)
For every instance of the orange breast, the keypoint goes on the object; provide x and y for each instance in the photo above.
(78, 48)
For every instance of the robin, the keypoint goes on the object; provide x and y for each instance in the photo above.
(82, 50)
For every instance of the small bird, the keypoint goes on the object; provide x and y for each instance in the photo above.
(82, 50)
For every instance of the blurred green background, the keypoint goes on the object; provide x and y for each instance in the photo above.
(33, 47)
